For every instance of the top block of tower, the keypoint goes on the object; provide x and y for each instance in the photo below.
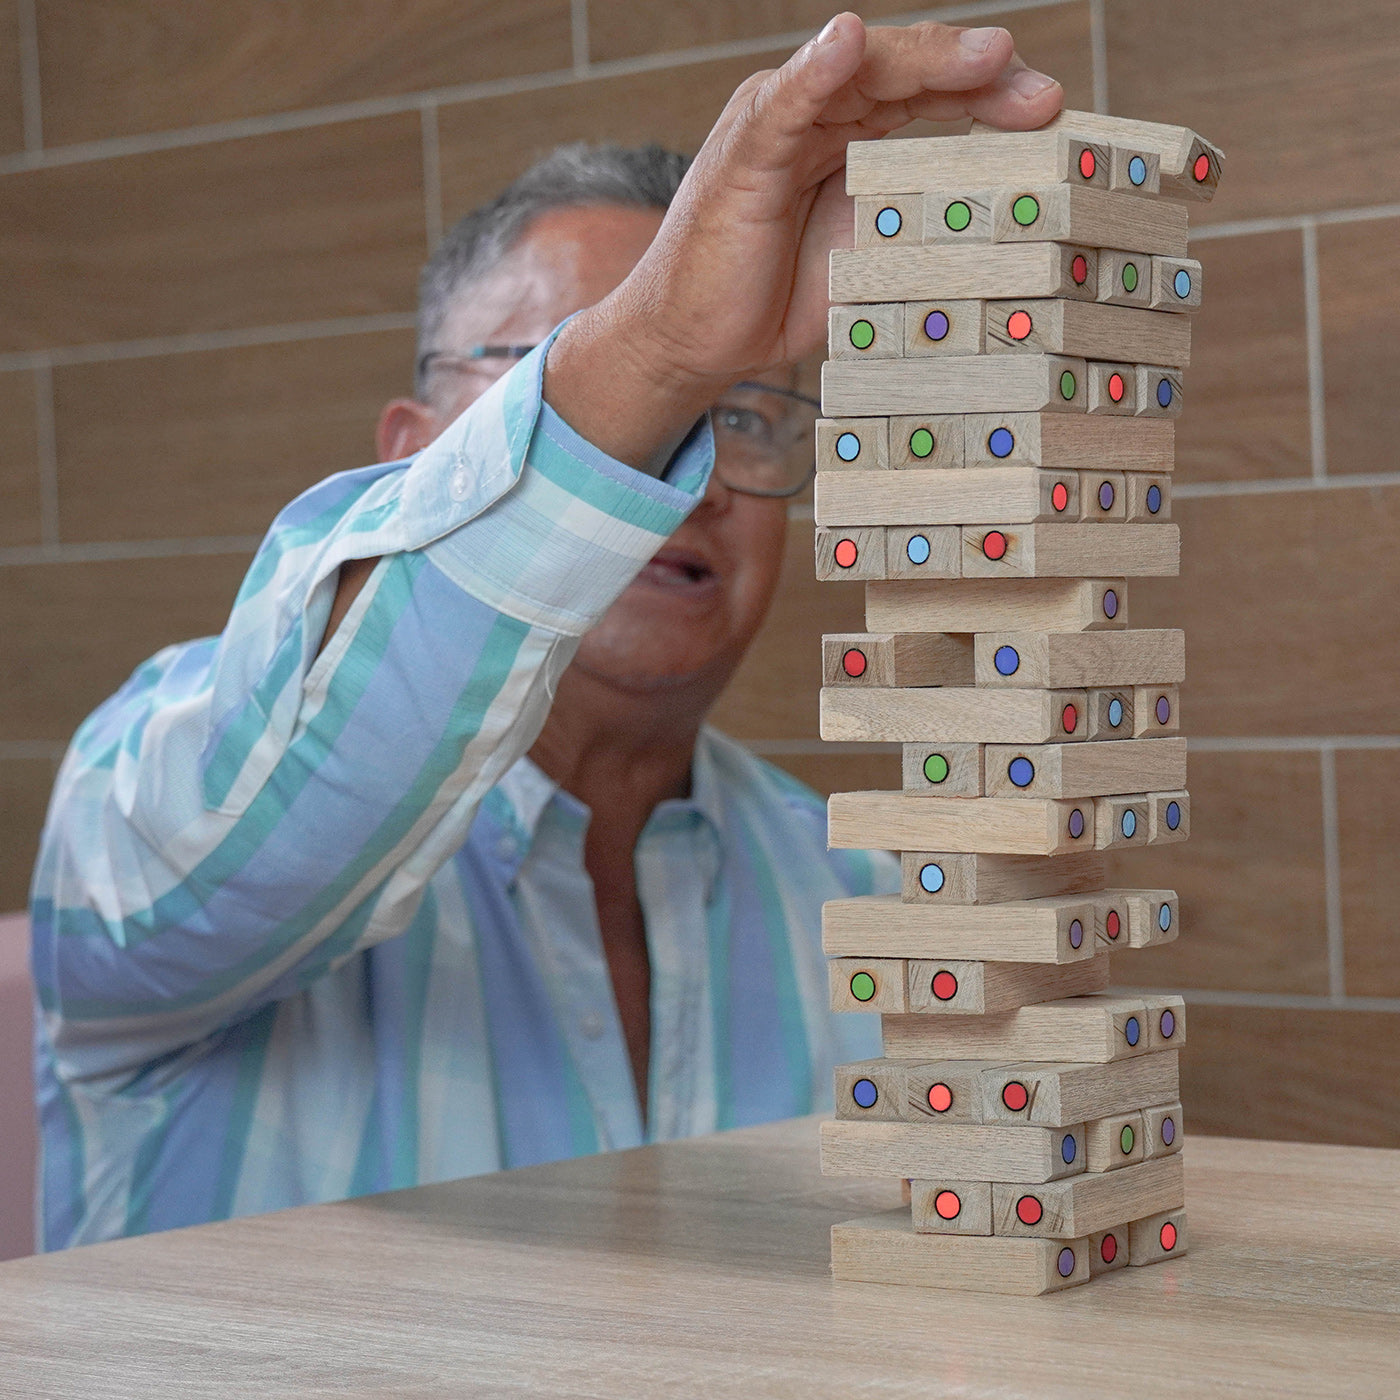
(916, 165)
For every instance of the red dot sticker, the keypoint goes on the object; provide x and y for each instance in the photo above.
(1029, 1210)
(1201, 168)
(1069, 719)
(940, 1098)
(994, 544)
(1059, 496)
(1087, 163)
(1116, 387)
(1018, 325)
(1113, 924)
(1014, 1096)
(947, 1204)
(854, 663)
(1079, 269)
(1168, 1234)
(945, 985)
(845, 553)
(1108, 1248)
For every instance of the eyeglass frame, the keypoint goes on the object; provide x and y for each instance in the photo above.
(518, 352)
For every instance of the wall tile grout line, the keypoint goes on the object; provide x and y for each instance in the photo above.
(578, 33)
(1098, 52)
(1332, 875)
(84, 552)
(432, 176)
(46, 437)
(1266, 486)
(1312, 326)
(1307, 743)
(1285, 223)
(1279, 1001)
(19, 749)
(30, 94)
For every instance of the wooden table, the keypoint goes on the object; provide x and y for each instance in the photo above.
(700, 1269)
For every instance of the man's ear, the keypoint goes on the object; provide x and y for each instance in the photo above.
(405, 427)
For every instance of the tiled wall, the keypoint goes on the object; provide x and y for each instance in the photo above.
(211, 217)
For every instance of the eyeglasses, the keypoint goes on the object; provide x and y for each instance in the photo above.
(765, 436)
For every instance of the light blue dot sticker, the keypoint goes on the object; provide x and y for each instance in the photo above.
(1181, 283)
(918, 549)
(888, 222)
(848, 447)
(1129, 823)
(931, 878)
(1137, 170)
(1164, 917)
(1115, 712)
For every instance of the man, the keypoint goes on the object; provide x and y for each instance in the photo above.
(398, 879)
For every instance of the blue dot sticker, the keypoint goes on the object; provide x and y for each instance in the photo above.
(888, 222)
(1164, 917)
(848, 447)
(1129, 824)
(865, 1093)
(1065, 1263)
(1021, 771)
(1137, 170)
(918, 549)
(1007, 661)
(1132, 1030)
(1001, 442)
(1069, 1149)
(1173, 815)
(931, 877)
(1154, 499)
(1181, 283)
(1164, 393)
(1115, 712)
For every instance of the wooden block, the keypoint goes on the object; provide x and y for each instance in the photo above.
(853, 554)
(973, 273)
(1056, 1095)
(1166, 1022)
(1110, 712)
(958, 216)
(911, 1091)
(1171, 291)
(972, 1151)
(1125, 279)
(1087, 330)
(927, 442)
(962, 715)
(950, 328)
(865, 332)
(1020, 931)
(1112, 388)
(886, 1249)
(865, 821)
(1095, 1029)
(1140, 656)
(1108, 1250)
(922, 551)
(868, 984)
(852, 444)
(1013, 605)
(954, 384)
(1070, 441)
(1147, 497)
(1114, 1141)
(1121, 821)
(921, 498)
(1068, 551)
(974, 162)
(954, 877)
(1157, 1238)
(943, 770)
(1168, 817)
(903, 659)
(1154, 917)
(1065, 1210)
(956, 987)
(1080, 214)
(889, 219)
(1158, 392)
(1156, 709)
(1083, 770)
(1102, 497)
(870, 1089)
(1163, 1129)
(951, 1207)
(1134, 171)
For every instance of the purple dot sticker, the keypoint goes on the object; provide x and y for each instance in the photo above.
(1168, 1024)
(1076, 824)
(1110, 604)
(1164, 709)
(1076, 934)
(1168, 1132)
(1105, 495)
(936, 325)
(865, 1093)
(1065, 1263)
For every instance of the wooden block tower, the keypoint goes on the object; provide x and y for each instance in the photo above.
(1007, 341)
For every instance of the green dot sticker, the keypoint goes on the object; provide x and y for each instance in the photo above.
(1126, 1138)
(1068, 385)
(935, 768)
(957, 216)
(862, 335)
(920, 442)
(1026, 210)
(1130, 277)
(863, 987)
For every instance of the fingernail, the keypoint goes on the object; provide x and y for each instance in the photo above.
(829, 32)
(1028, 83)
(978, 40)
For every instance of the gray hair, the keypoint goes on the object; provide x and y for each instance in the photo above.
(569, 176)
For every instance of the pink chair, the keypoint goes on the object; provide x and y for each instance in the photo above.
(18, 1127)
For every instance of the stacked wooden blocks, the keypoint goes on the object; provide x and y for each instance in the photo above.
(1007, 343)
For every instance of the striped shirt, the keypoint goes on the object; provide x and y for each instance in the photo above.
(308, 926)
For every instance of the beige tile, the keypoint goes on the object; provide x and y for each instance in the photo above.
(1288, 602)
(216, 442)
(1247, 389)
(1368, 818)
(11, 84)
(774, 693)
(19, 460)
(24, 797)
(1301, 97)
(146, 65)
(266, 230)
(1251, 880)
(842, 772)
(74, 632)
(1311, 1076)
(1359, 297)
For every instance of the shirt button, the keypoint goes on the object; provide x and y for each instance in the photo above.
(460, 484)
(591, 1026)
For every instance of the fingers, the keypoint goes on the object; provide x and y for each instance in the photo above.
(1018, 100)
(901, 63)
